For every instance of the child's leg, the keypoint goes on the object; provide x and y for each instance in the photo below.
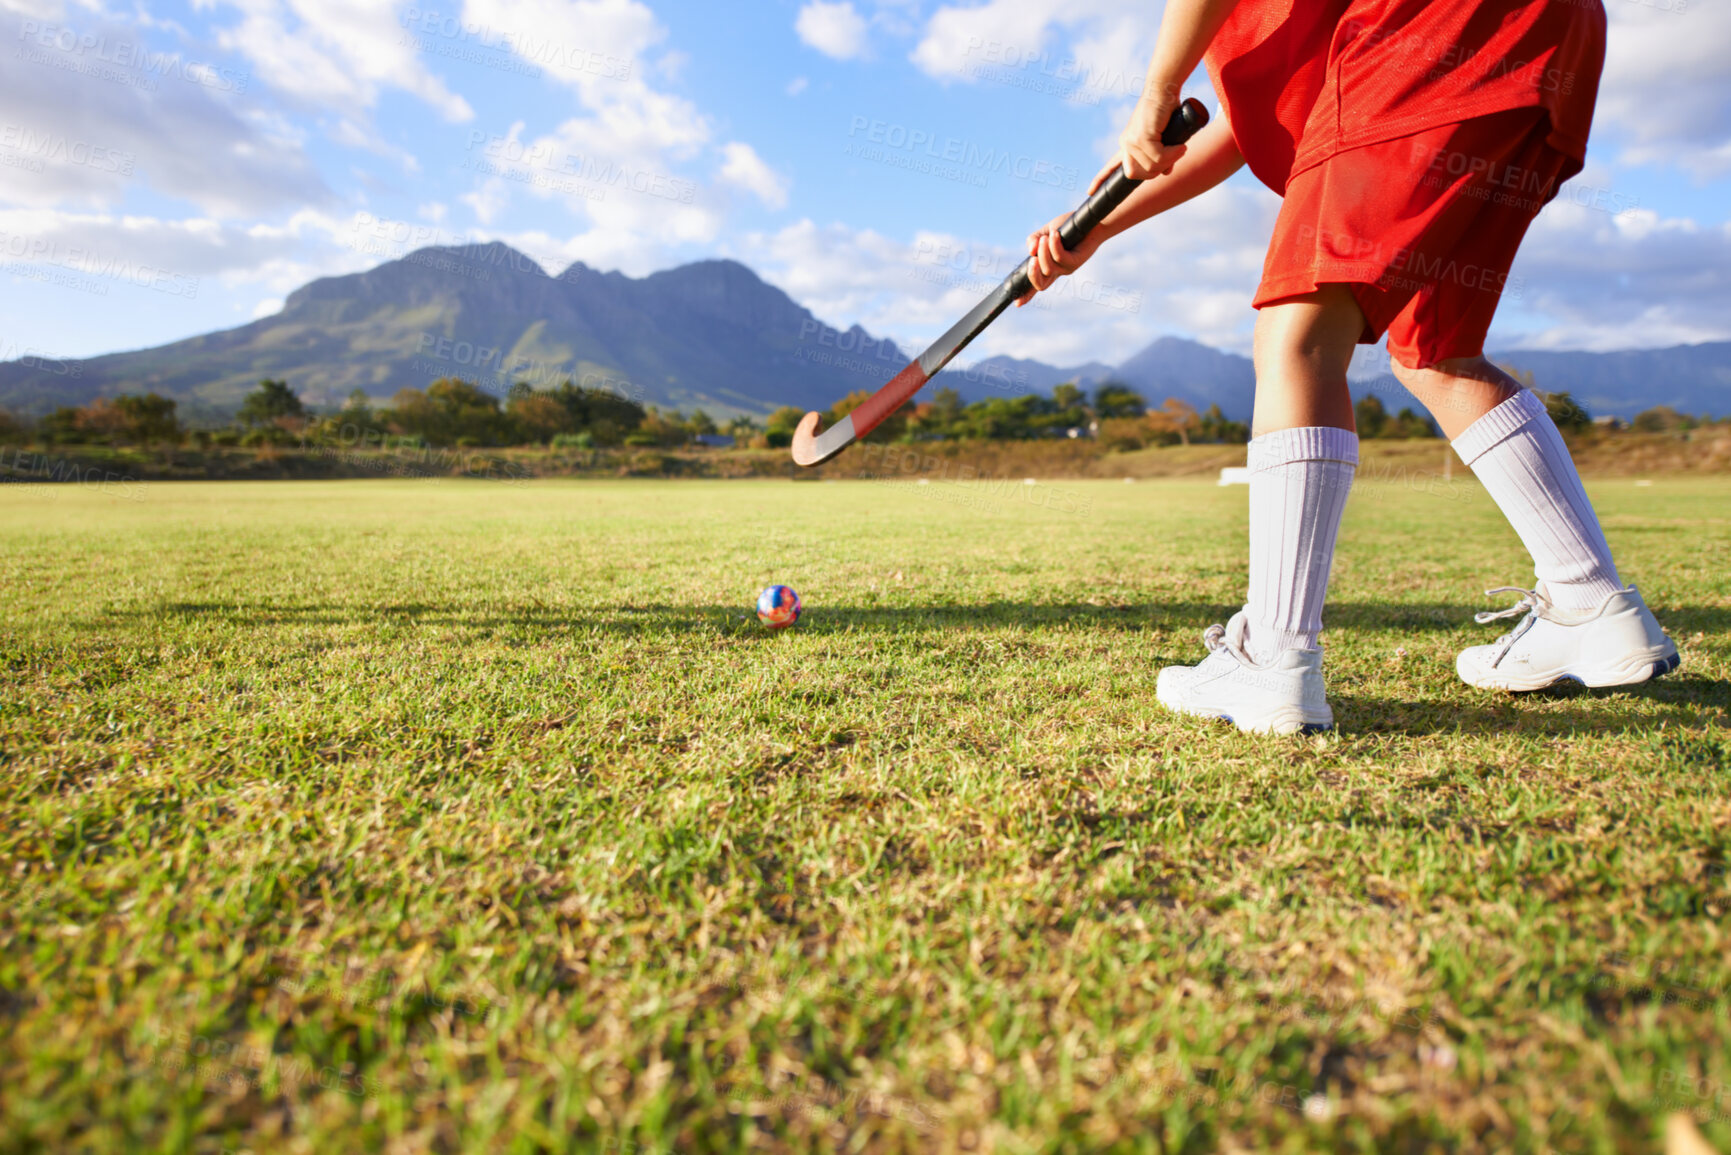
(1264, 671)
(1302, 462)
(1584, 626)
(1504, 434)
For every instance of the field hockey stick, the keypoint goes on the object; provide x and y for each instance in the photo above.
(813, 448)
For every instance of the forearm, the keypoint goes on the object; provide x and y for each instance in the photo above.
(1186, 30)
(1211, 157)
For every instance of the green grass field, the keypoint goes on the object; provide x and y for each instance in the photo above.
(461, 816)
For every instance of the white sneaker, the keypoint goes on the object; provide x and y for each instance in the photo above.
(1618, 644)
(1283, 697)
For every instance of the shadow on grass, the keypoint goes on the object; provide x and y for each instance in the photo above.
(1677, 700)
(1683, 698)
(1435, 617)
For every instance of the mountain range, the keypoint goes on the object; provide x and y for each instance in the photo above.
(709, 335)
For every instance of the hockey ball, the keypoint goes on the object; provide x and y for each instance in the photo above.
(778, 607)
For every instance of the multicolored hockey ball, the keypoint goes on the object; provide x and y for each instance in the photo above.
(778, 607)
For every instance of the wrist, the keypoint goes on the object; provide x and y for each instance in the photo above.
(1161, 93)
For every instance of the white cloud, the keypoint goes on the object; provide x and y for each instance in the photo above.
(1590, 280)
(487, 201)
(1111, 43)
(590, 45)
(83, 139)
(797, 85)
(337, 54)
(620, 164)
(154, 252)
(834, 29)
(1666, 92)
(747, 170)
(1584, 280)
(1192, 272)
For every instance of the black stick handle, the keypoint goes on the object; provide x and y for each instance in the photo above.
(1186, 122)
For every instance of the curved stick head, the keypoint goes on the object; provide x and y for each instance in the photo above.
(811, 448)
(805, 450)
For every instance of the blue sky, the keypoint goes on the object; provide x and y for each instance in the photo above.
(175, 168)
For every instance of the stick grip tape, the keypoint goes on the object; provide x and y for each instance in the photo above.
(1186, 122)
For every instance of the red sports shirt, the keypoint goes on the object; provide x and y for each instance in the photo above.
(1301, 81)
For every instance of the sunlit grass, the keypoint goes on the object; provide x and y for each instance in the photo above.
(461, 816)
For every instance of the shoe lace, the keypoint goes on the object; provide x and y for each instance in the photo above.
(1532, 606)
(1229, 638)
(1531, 601)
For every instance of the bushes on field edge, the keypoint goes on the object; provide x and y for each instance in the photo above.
(453, 413)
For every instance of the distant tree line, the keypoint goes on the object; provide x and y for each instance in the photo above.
(455, 413)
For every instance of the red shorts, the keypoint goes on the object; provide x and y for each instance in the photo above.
(1423, 229)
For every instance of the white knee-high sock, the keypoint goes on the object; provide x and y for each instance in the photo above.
(1299, 479)
(1518, 455)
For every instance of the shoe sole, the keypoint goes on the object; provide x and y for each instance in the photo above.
(1282, 722)
(1635, 673)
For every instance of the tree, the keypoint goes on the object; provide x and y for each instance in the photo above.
(1116, 399)
(1660, 419)
(63, 426)
(10, 428)
(939, 416)
(1370, 416)
(149, 418)
(1179, 417)
(450, 412)
(122, 420)
(1407, 424)
(1568, 414)
(890, 429)
(537, 417)
(1215, 427)
(780, 426)
(1069, 395)
(271, 403)
(660, 429)
(357, 410)
(605, 415)
(700, 423)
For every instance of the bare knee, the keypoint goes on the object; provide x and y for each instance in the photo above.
(1318, 331)
(1445, 373)
(1457, 391)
